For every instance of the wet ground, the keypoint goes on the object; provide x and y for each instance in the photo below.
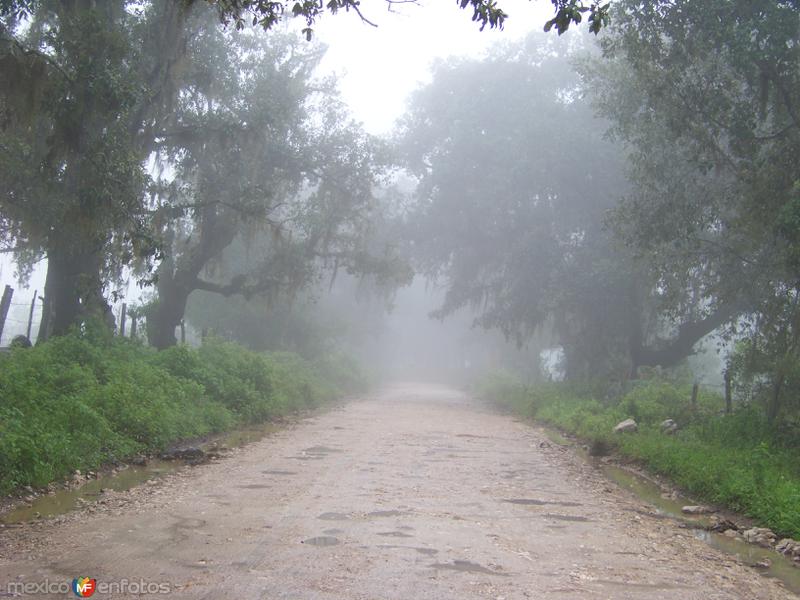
(416, 492)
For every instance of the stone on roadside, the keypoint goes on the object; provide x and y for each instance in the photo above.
(626, 426)
(720, 524)
(732, 533)
(789, 547)
(760, 536)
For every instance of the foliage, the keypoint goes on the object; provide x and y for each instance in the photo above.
(82, 400)
(739, 461)
(705, 97)
(505, 220)
(484, 12)
(282, 195)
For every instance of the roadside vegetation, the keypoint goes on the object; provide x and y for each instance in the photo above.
(82, 400)
(738, 461)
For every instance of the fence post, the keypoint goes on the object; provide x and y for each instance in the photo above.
(695, 389)
(122, 315)
(183, 332)
(30, 314)
(5, 304)
(728, 395)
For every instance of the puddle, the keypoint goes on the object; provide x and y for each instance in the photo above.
(334, 516)
(398, 534)
(420, 549)
(535, 502)
(466, 566)
(649, 491)
(575, 518)
(279, 472)
(320, 450)
(323, 540)
(781, 568)
(64, 501)
(333, 531)
(386, 513)
(255, 486)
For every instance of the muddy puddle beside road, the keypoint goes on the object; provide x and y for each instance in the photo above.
(63, 501)
(670, 505)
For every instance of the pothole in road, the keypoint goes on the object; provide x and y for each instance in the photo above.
(278, 472)
(398, 534)
(334, 516)
(255, 486)
(322, 540)
(386, 513)
(333, 531)
(466, 567)
(320, 450)
(420, 549)
(566, 517)
(536, 502)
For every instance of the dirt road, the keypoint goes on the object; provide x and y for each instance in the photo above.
(414, 493)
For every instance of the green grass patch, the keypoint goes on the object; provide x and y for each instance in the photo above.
(79, 401)
(737, 461)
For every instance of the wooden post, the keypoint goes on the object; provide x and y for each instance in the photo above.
(133, 325)
(183, 332)
(728, 394)
(695, 389)
(122, 315)
(30, 314)
(5, 304)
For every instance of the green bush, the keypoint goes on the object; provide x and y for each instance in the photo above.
(80, 400)
(738, 461)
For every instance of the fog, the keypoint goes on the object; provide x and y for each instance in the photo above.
(437, 200)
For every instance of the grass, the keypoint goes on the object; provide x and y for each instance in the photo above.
(737, 461)
(80, 401)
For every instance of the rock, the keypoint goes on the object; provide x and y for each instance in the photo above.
(732, 533)
(668, 426)
(139, 461)
(761, 536)
(764, 563)
(695, 510)
(720, 525)
(790, 548)
(626, 426)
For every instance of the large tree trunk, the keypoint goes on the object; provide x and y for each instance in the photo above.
(167, 313)
(73, 290)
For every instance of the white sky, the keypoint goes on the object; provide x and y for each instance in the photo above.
(379, 67)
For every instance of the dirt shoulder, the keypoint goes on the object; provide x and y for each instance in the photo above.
(415, 492)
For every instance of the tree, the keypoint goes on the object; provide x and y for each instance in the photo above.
(265, 157)
(268, 13)
(507, 218)
(705, 96)
(82, 89)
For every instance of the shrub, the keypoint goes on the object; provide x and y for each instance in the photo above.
(80, 400)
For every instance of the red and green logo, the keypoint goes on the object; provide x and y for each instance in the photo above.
(84, 587)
